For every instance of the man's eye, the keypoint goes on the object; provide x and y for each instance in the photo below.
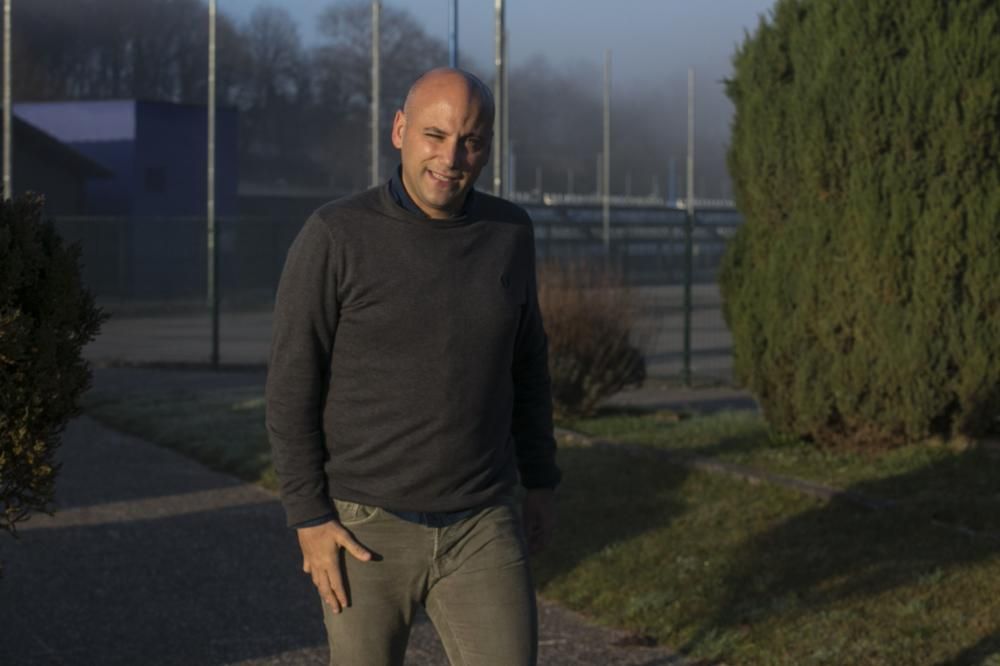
(437, 137)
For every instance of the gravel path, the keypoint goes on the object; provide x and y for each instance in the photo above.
(154, 559)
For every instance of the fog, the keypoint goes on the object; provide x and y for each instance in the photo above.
(298, 73)
(653, 43)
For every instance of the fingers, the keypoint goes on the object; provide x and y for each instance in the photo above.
(325, 589)
(338, 587)
(330, 584)
(338, 595)
(357, 551)
(323, 561)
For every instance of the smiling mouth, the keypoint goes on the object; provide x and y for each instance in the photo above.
(441, 178)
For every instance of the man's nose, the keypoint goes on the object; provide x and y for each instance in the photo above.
(453, 153)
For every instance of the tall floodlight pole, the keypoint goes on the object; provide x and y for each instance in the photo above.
(499, 94)
(606, 171)
(453, 34)
(8, 190)
(690, 151)
(689, 233)
(212, 232)
(508, 182)
(376, 86)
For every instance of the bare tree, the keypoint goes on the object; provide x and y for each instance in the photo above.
(48, 53)
(104, 49)
(275, 101)
(275, 58)
(342, 66)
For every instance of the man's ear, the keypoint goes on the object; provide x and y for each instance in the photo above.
(398, 127)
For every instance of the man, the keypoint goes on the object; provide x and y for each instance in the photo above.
(408, 391)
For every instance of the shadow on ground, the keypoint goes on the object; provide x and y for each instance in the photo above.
(104, 583)
(986, 651)
(841, 552)
(599, 508)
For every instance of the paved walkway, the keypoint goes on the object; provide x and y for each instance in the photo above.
(153, 559)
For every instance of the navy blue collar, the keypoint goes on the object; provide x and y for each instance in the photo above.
(405, 201)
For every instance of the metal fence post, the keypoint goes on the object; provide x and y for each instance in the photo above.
(124, 257)
(453, 34)
(606, 171)
(689, 233)
(688, 279)
(499, 97)
(8, 185)
(376, 89)
(211, 228)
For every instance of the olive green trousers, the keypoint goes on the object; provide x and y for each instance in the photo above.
(471, 577)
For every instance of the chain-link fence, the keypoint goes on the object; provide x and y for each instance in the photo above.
(151, 275)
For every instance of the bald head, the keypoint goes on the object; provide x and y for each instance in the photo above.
(449, 81)
(443, 133)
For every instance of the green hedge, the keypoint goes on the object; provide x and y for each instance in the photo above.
(46, 317)
(863, 292)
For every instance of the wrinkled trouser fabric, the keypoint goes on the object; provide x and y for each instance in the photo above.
(471, 577)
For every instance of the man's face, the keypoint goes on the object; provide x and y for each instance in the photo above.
(444, 141)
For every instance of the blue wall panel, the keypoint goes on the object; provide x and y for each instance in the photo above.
(171, 160)
(112, 195)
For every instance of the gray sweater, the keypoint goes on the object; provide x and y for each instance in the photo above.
(408, 364)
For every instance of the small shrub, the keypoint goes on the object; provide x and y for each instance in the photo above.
(590, 319)
(46, 317)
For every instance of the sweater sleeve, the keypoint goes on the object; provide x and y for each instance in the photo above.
(531, 425)
(305, 320)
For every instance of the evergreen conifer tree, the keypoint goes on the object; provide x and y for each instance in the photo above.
(863, 292)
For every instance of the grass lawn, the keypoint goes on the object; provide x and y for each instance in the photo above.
(723, 569)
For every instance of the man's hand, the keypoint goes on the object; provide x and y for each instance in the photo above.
(321, 546)
(539, 515)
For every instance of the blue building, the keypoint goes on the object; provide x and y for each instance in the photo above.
(156, 153)
(145, 237)
(46, 166)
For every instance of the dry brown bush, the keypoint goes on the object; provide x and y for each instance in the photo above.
(591, 320)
